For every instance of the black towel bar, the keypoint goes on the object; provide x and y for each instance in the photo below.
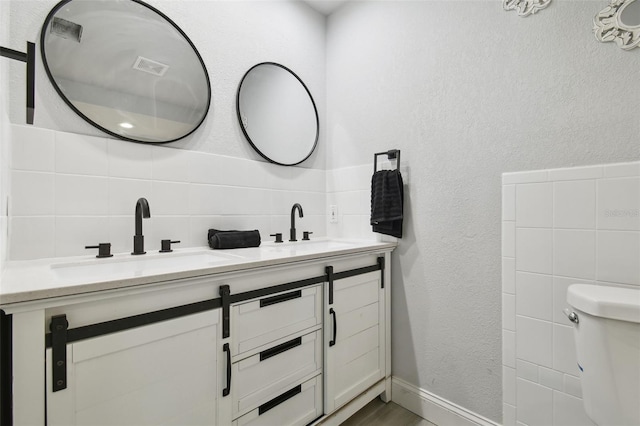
(30, 59)
(391, 154)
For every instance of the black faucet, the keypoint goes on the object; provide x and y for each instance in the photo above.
(292, 231)
(142, 211)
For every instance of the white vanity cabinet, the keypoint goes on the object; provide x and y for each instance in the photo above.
(355, 337)
(301, 342)
(163, 373)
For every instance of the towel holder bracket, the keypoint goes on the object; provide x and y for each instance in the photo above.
(392, 154)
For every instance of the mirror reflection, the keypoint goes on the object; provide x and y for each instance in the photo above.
(126, 68)
(630, 14)
(277, 114)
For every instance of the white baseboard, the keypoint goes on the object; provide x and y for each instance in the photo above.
(433, 408)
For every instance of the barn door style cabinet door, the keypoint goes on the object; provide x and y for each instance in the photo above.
(355, 336)
(163, 373)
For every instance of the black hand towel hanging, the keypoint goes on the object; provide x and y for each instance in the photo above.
(387, 196)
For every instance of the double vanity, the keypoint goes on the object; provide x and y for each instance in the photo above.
(286, 334)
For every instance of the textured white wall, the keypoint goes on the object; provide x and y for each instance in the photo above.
(468, 91)
(231, 37)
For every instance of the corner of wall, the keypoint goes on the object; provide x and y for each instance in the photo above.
(5, 134)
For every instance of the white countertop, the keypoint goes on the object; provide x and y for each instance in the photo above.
(24, 281)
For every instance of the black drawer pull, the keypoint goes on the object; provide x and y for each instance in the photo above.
(267, 301)
(279, 400)
(226, 391)
(276, 350)
(335, 327)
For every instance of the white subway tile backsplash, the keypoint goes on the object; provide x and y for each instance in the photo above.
(574, 253)
(121, 231)
(508, 311)
(79, 232)
(508, 415)
(534, 341)
(619, 204)
(574, 173)
(33, 149)
(569, 411)
(78, 195)
(129, 160)
(509, 202)
(622, 169)
(81, 154)
(525, 177)
(124, 193)
(175, 228)
(170, 164)
(32, 237)
(564, 350)
(168, 198)
(509, 385)
(32, 194)
(551, 378)
(509, 348)
(574, 204)
(534, 295)
(572, 385)
(535, 404)
(527, 370)
(534, 250)
(617, 257)
(508, 239)
(534, 205)
(93, 177)
(509, 275)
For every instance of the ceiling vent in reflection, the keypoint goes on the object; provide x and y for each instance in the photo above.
(66, 29)
(149, 66)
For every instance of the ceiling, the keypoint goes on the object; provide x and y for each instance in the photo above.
(326, 7)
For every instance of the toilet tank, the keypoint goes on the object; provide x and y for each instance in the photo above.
(607, 337)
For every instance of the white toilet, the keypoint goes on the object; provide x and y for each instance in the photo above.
(607, 334)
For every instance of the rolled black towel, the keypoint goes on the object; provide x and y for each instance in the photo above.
(233, 239)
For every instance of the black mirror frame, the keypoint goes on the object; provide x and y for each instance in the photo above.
(244, 131)
(87, 119)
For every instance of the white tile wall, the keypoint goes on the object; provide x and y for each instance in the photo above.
(559, 227)
(349, 188)
(71, 190)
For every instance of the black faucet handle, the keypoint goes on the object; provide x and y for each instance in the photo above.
(104, 249)
(166, 246)
(278, 236)
(305, 235)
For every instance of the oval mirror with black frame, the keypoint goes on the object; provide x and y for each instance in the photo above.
(277, 114)
(126, 68)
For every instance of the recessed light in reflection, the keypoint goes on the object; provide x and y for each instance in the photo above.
(126, 125)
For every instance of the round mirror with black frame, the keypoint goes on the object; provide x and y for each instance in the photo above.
(126, 68)
(277, 114)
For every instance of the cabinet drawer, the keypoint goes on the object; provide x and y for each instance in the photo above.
(270, 318)
(299, 405)
(274, 370)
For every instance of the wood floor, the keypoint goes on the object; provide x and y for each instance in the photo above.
(377, 413)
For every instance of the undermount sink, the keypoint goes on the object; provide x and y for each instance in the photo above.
(138, 265)
(316, 246)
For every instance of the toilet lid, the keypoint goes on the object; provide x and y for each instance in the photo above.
(617, 303)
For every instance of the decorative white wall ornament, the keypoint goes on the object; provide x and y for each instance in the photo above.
(608, 25)
(525, 7)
